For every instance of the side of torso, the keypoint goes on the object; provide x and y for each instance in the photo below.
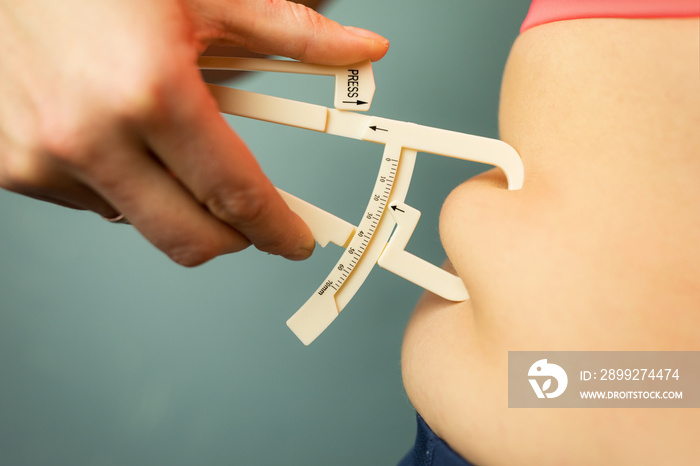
(600, 250)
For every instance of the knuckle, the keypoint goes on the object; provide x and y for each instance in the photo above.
(305, 16)
(67, 136)
(145, 93)
(78, 138)
(241, 207)
(67, 145)
(24, 161)
(140, 100)
(309, 21)
(22, 172)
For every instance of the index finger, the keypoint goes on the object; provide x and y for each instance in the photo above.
(194, 141)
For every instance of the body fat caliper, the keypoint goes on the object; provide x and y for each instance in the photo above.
(371, 241)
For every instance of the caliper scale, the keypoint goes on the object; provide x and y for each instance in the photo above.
(371, 241)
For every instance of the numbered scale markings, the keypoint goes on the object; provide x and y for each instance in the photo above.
(384, 230)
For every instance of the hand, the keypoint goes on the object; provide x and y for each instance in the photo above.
(102, 107)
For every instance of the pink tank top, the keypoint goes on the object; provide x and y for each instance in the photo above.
(548, 11)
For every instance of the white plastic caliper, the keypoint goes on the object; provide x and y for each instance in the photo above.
(371, 241)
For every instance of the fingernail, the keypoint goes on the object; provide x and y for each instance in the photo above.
(364, 33)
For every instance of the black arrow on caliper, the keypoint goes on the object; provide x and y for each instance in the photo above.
(376, 128)
(358, 102)
(396, 208)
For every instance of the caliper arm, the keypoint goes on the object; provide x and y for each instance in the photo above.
(371, 241)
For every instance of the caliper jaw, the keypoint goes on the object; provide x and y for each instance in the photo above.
(371, 241)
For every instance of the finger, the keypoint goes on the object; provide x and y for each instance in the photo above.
(196, 143)
(222, 76)
(157, 205)
(40, 177)
(289, 29)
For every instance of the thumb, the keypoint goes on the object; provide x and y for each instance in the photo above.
(279, 27)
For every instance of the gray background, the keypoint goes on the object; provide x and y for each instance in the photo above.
(112, 355)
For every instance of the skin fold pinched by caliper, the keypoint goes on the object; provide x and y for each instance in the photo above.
(371, 241)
